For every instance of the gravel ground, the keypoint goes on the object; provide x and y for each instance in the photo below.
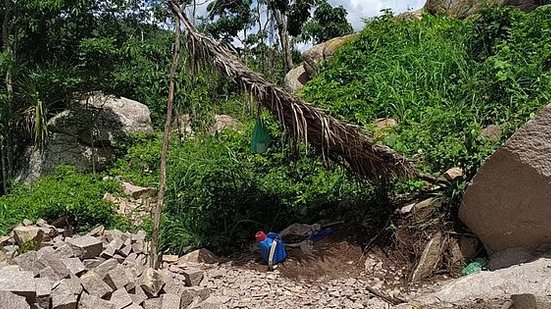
(245, 288)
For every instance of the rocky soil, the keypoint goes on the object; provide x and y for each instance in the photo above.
(44, 266)
(108, 269)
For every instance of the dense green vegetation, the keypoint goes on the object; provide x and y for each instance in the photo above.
(444, 80)
(220, 193)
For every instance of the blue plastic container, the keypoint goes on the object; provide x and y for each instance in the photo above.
(265, 245)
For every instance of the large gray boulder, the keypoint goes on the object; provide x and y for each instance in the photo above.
(532, 278)
(464, 8)
(84, 135)
(315, 55)
(297, 77)
(508, 203)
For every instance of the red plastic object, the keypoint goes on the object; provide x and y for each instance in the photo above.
(260, 236)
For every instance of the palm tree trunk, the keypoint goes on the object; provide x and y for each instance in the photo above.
(154, 250)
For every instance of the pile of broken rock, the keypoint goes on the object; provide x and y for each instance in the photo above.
(102, 269)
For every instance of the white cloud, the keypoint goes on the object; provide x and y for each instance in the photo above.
(361, 9)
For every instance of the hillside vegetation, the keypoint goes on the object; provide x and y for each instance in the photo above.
(444, 80)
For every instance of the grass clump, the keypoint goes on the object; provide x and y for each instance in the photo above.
(65, 193)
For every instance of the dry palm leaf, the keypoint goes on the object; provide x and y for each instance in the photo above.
(340, 141)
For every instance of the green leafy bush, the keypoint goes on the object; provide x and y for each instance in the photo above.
(220, 193)
(65, 193)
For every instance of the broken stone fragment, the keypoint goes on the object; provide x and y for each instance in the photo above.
(188, 294)
(213, 302)
(152, 303)
(135, 191)
(10, 300)
(169, 258)
(134, 306)
(24, 234)
(64, 301)
(92, 263)
(97, 231)
(43, 292)
(10, 250)
(151, 281)
(10, 268)
(138, 247)
(137, 295)
(54, 268)
(19, 282)
(193, 276)
(126, 248)
(74, 265)
(103, 269)
(121, 299)
(58, 240)
(430, 258)
(119, 258)
(42, 223)
(198, 256)
(91, 247)
(114, 234)
(48, 273)
(112, 247)
(170, 301)
(94, 285)
(68, 286)
(29, 262)
(67, 251)
(453, 173)
(117, 278)
(173, 287)
(27, 222)
(5, 240)
(132, 263)
(93, 302)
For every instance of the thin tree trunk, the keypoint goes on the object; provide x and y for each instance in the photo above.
(8, 80)
(194, 12)
(8, 110)
(284, 39)
(154, 250)
(3, 163)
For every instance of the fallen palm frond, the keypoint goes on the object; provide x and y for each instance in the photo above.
(340, 141)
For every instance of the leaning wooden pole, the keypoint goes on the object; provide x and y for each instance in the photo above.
(342, 142)
(154, 248)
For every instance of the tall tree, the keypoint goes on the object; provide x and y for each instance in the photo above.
(230, 18)
(326, 23)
